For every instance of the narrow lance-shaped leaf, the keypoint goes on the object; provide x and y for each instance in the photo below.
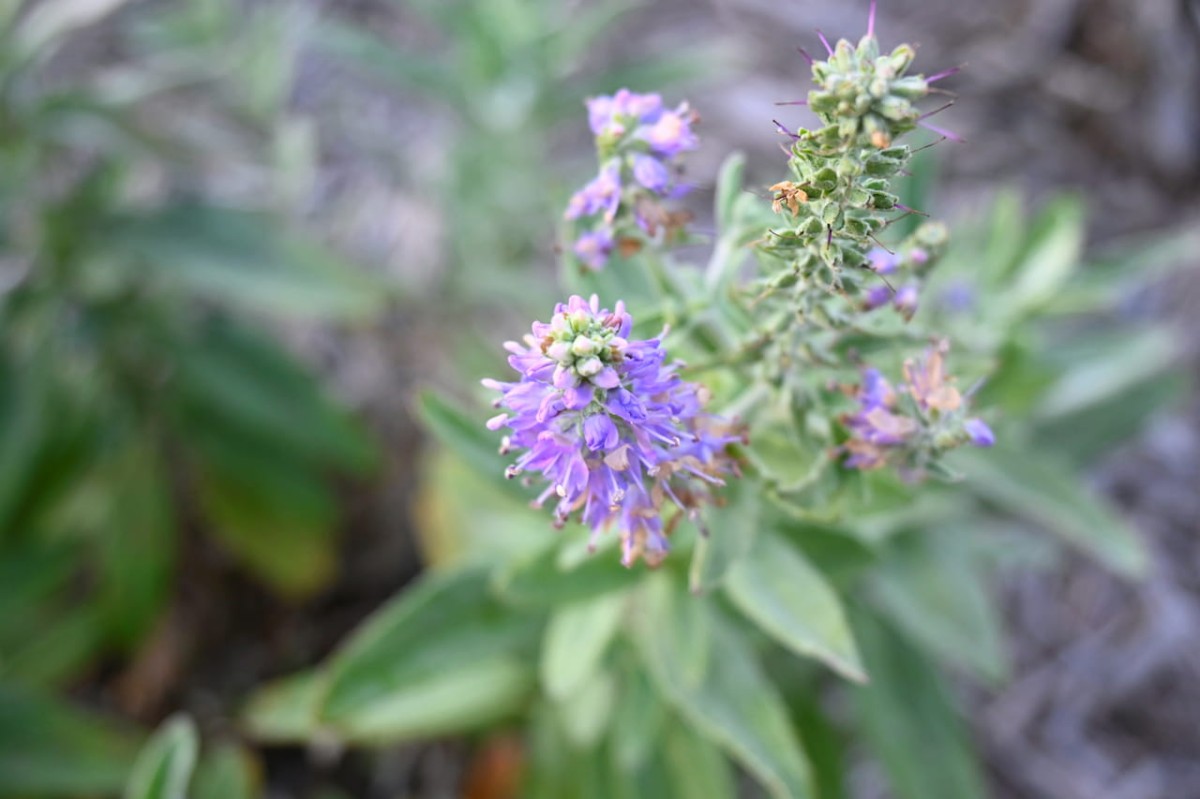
(778, 589)
(705, 669)
(1032, 485)
(442, 657)
(164, 767)
(910, 722)
(576, 640)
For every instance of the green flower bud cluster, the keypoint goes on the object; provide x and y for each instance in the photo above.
(838, 197)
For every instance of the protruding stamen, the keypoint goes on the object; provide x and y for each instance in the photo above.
(871, 19)
(938, 110)
(824, 41)
(947, 134)
(779, 127)
(945, 73)
(804, 53)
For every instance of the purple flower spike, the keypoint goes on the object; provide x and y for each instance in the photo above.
(612, 428)
(981, 435)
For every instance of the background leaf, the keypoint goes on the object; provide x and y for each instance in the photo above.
(780, 591)
(164, 766)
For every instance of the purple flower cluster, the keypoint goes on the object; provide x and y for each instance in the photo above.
(904, 299)
(881, 430)
(616, 433)
(639, 141)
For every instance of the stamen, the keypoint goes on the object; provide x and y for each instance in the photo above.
(824, 41)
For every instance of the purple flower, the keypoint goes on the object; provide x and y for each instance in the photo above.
(671, 134)
(651, 173)
(906, 300)
(929, 384)
(594, 247)
(881, 261)
(611, 115)
(603, 193)
(980, 434)
(615, 432)
(877, 297)
(875, 428)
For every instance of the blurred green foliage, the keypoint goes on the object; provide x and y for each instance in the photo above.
(148, 257)
(147, 261)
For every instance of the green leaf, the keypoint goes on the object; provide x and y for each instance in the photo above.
(729, 188)
(1051, 254)
(780, 591)
(287, 547)
(238, 382)
(67, 640)
(695, 767)
(1124, 362)
(467, 436)
(910, 722)
(731, 529)
(823, 744)
(441, 657)
(933, 587)
(244, 259)
(285, 711)
(587, 712)
(638, 720)
(1032, 485)
(576, 639)
(48, 748)
(227, 772)
(164, 766)
(705, 669)
(137, 546)
(1092, 432)
(543, 581)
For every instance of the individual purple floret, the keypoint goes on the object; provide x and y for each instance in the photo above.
(651, 173)
(881, 261)
(594, 247)
(906, 300)
(616, 433)
(980, 434)
(602, 194)
(671, 134)
(877, 297)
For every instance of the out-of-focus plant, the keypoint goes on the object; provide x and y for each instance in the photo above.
(142, 246)
(499, 78)
(807, 588)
